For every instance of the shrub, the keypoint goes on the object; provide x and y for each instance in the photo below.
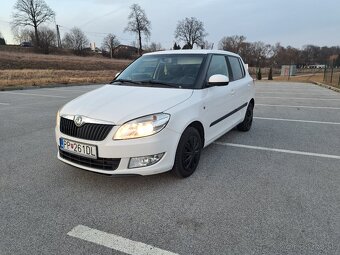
(259, 74)
(2, 41)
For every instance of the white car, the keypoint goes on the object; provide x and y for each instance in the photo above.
(157, 114)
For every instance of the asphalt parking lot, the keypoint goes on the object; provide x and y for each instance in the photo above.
(273, 190)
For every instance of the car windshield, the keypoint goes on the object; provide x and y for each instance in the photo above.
(170, 70)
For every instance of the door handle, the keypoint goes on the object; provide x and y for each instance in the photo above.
(232, 91)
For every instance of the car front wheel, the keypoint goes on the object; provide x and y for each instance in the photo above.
(188, 153)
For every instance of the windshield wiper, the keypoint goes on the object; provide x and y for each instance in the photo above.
(172, 85)
(125, 81)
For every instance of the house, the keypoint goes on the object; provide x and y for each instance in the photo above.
(125, 51)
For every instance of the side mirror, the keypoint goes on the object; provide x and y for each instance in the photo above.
(218, 80)
(117, 74)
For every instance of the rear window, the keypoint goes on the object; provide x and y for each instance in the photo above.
(236, 68)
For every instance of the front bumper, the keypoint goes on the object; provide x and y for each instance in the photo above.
(165, 141)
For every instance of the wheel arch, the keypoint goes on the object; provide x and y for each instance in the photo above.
(252, 101)
(199, 126)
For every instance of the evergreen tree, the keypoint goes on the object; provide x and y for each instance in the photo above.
(187, 47)
(2, 41)
(176, 46)
(259, 74)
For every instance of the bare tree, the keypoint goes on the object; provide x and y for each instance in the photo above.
(311, 53)
(23, 35)
(138, 23)
(109, 43)
(232, 43)
(134, 44)
(261, 52)
(32, 13)
(191, 31)
(207, 45)
(76, 40)
(47, 39)
(154, 47)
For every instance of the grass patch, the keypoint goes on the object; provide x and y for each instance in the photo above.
(28, 78)
(19, 69)
(314, 77)
(16, 60)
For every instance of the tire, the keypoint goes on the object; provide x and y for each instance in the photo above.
(248, 119)
(188, 153)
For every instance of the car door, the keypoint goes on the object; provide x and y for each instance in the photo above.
(239, 86)
(217, 102)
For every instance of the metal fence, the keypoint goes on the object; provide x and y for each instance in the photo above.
(332, 76)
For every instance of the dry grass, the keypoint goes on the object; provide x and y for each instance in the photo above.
(317, 77)
(27, 78)
(19, 69)
(17, 60)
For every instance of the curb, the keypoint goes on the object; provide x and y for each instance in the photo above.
(327, 86)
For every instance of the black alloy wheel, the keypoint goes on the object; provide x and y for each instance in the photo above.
(188, 153)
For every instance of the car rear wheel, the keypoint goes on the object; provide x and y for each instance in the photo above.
(248, 119)
(188, 153)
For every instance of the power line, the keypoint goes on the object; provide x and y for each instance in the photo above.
(94, 19)
(98, 34)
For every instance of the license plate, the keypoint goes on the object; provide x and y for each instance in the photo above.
(82, 149)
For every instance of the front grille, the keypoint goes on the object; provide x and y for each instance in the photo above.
(99, 163)
(88, 131)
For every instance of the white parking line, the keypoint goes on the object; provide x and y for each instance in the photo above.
(303, 121)
(299, 106)
(70, 90)
(295, 93)
(29, 94)
(4, 104)
(116, 242)
(290, 90)
(287, 86)
(302, 98)
(279, 150)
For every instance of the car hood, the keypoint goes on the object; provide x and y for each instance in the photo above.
(118, 104)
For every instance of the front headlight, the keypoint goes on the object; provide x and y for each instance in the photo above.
(141, 127)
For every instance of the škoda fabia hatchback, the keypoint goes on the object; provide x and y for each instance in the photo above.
(158, 114)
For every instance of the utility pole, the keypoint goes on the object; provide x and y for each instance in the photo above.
(58, 33)
(58, 37)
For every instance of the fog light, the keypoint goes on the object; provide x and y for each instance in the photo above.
(145, 160)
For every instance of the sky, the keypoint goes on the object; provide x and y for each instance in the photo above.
(290, 22)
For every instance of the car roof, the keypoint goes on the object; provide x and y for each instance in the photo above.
(192, 52)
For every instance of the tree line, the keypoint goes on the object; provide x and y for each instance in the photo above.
(261, 54)
(30, 16)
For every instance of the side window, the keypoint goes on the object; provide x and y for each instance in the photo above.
(218, 65)
(236, 68)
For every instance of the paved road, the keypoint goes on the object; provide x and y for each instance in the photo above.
(273, 190)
